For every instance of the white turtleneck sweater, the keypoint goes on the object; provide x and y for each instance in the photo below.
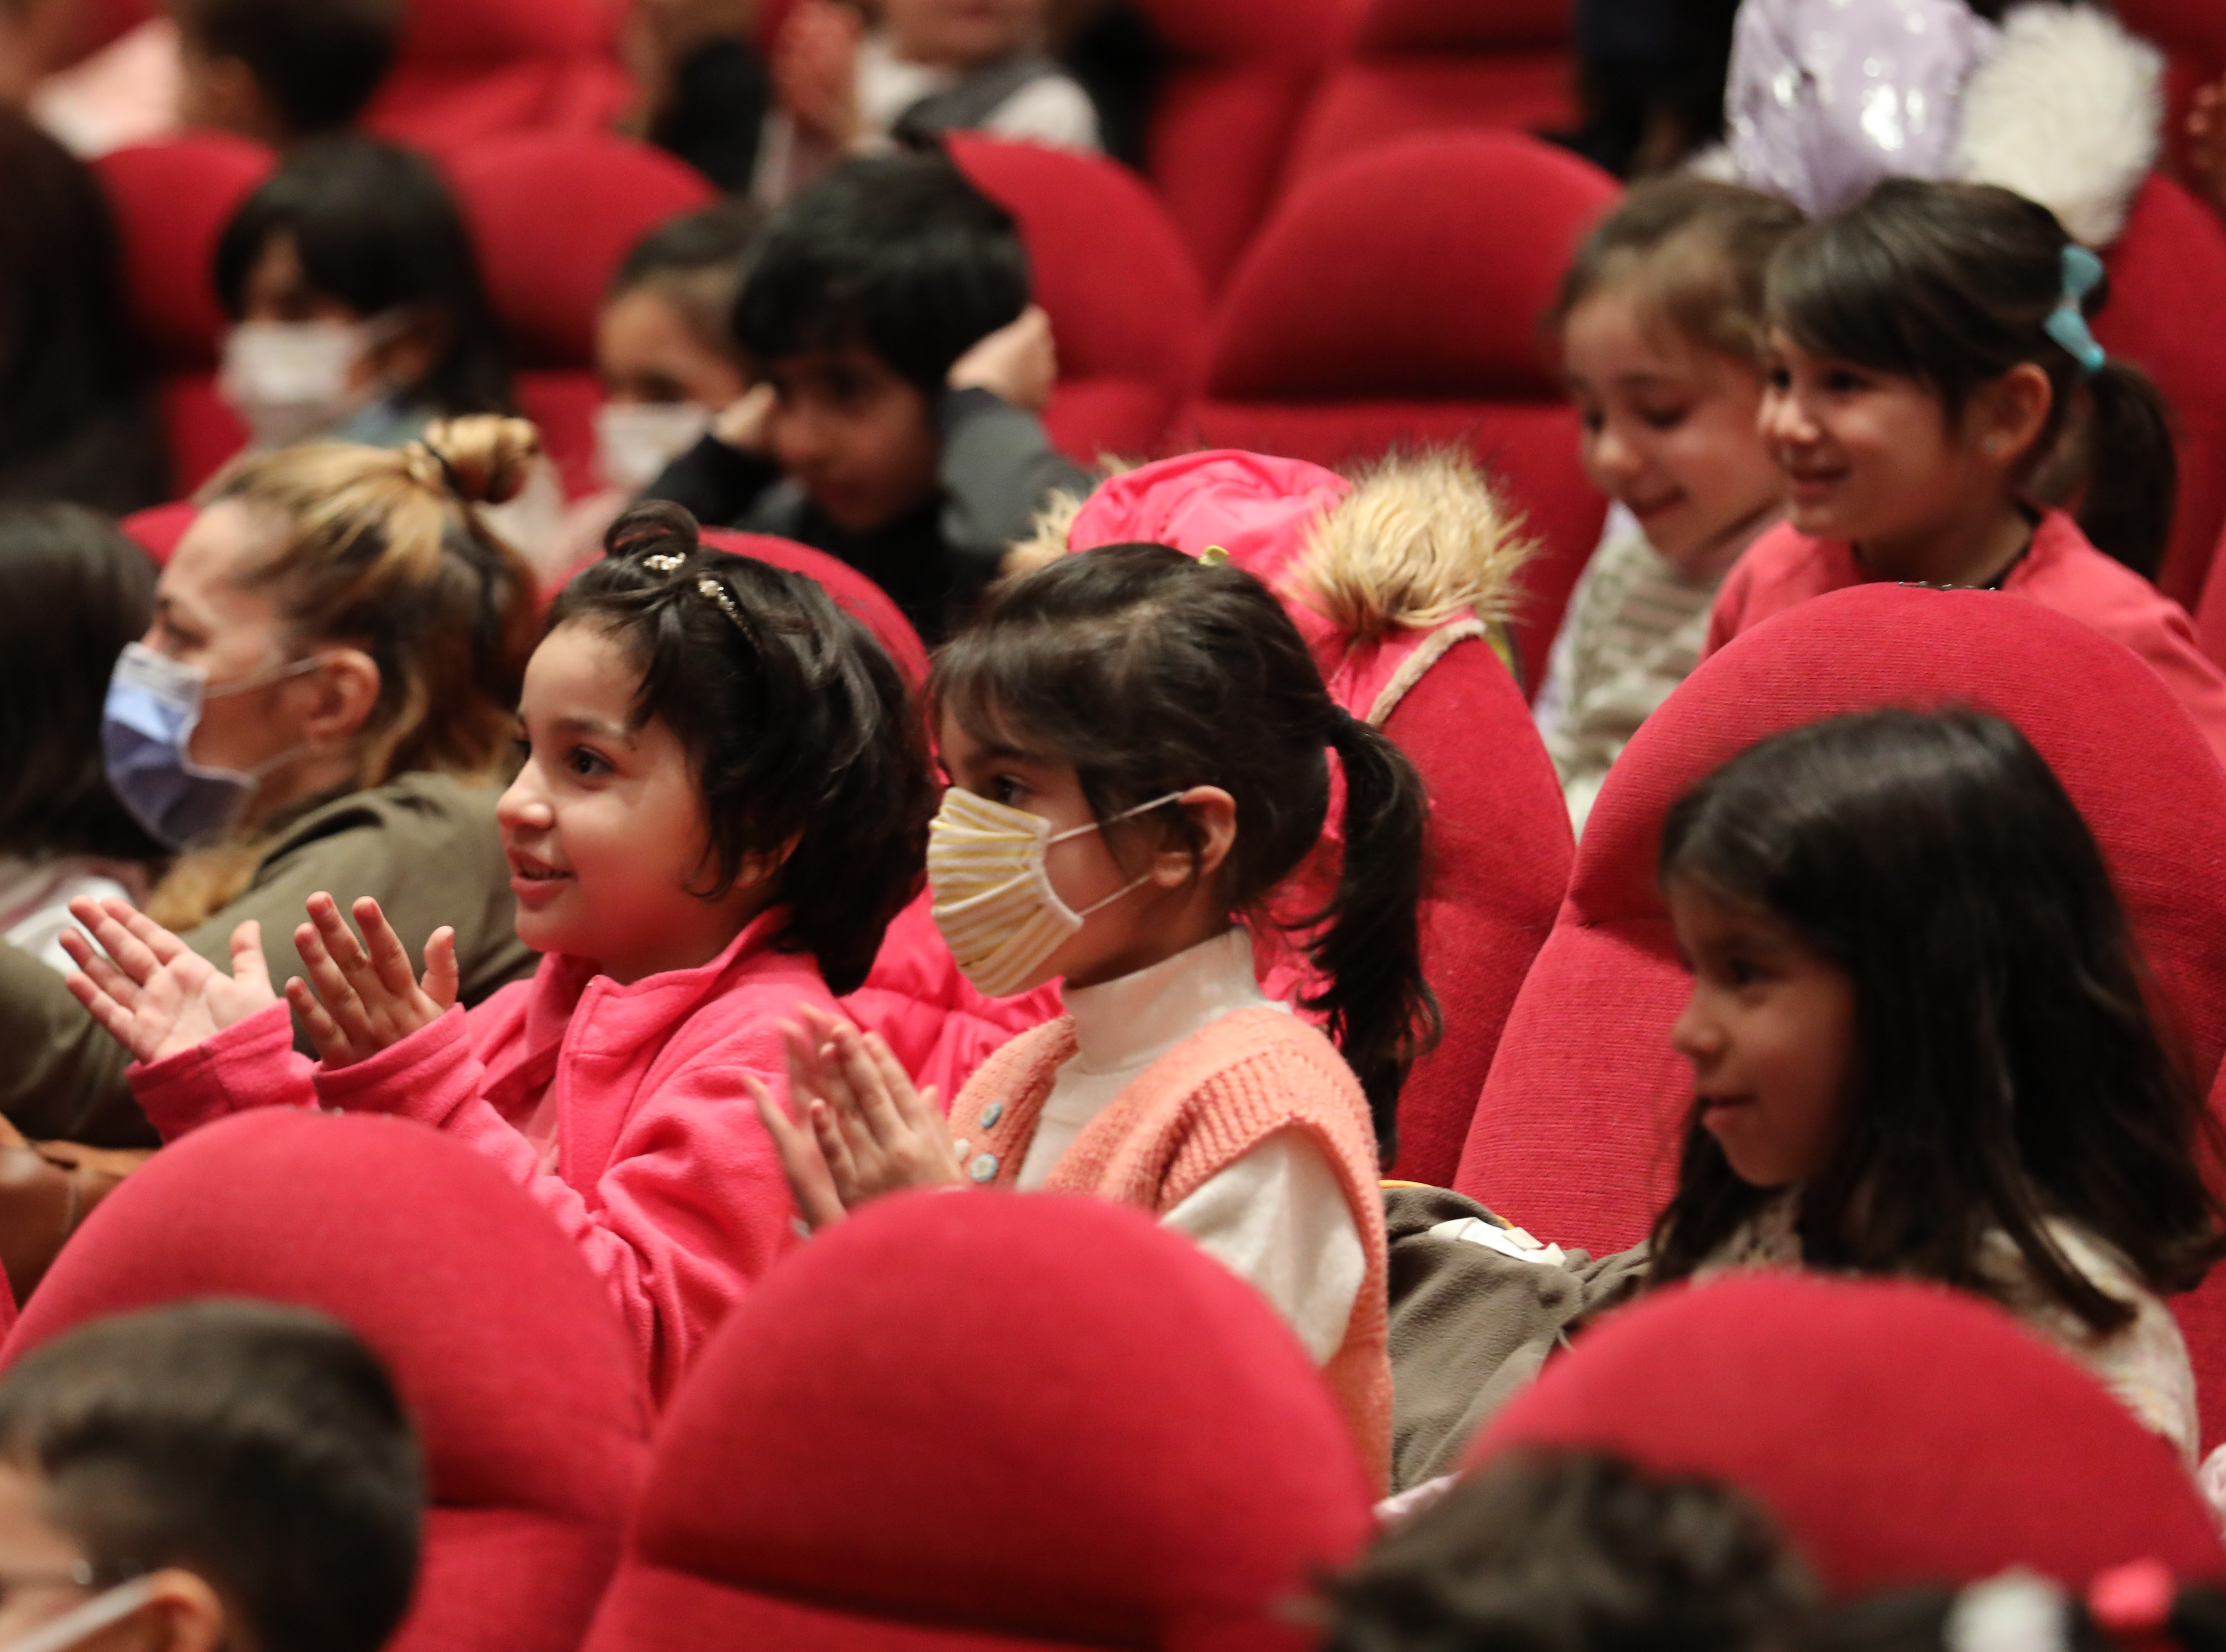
(1278, 1217)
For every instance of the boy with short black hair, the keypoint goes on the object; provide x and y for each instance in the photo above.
(225, 1474)
(1573, 1551)
(279, 71)
(888, 314)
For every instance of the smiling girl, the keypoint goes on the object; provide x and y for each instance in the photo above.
(1663, 344)
(1933, 387)
(722, 804)
(1920, 1045)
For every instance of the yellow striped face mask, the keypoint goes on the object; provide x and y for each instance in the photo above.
(993, 898)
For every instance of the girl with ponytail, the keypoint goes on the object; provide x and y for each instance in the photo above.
(1945, 416)
(1138, 744)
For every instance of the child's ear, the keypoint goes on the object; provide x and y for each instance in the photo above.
(182, 1614)
(1213, 827)
(2008, 416)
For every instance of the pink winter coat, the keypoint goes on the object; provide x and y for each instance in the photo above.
(665, 1178)
(2061, 570)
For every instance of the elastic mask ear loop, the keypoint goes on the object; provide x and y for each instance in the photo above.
(104, 1610)
(1100, 825)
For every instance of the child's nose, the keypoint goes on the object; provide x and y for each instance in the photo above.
(1785, 421)
(522, 807)
(1695, 1034)
(1614, 457)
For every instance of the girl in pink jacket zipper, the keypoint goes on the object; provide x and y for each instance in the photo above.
(724, 801)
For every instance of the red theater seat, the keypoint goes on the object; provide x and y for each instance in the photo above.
(1126, 308)
(522, 1382)
(866, 601)
(1576, 1133)
(963, 1422)
(1395, 300)
(2171, 265)
(172, 201)
(1439, 65)
(1902, 1434)
(554, 214)
(1239, 77)
(474, 69)
(1499, 861)
(2193, 34)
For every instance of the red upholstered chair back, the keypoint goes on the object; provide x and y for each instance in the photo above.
(2193, 34)
(1126, 308)
(1239, 78)
(1499, 862)
(1420, 66)
(2171, 263)
(172, 201)
(475, 69)
(970, 1421)
(1576, 1133)
(1394, 301)
(1901, 1433)
(157, 529)
(865, 600)
(554, 213)
(504, 1347)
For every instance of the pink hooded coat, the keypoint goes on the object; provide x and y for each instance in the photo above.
(664, 1179)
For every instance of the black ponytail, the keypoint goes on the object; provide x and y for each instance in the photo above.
(1367, 944)
(1151, 673)
(1953, 285)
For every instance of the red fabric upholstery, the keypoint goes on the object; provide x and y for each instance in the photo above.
(1461, 26)
(1395, 299)
(172, 201)
(1575, 1135)
(971, 1421)
(866, 600)
(1901, 1433)
(2211, 616)
(2193, 32)
(157, 529)
(562, 402)
(1240, 76)
(505, 1348)
(1499, 861)
(555, 214)
(1130, 328)
(2169, 264)
(469, 70)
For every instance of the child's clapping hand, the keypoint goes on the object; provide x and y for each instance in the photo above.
(153, 994)
(362, 996)
(863, 1131)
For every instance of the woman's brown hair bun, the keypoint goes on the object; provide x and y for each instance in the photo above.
(484, 458)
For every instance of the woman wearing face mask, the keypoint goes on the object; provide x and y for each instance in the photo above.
(324, 701)
(359, 315)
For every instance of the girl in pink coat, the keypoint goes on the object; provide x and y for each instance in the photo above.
(724, 801)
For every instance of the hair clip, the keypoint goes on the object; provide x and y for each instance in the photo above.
(664, 562)
(1213, 557)
(717, 591)
(2067, 324)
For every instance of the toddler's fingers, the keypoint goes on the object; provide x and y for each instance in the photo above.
(389, 959)
(144, 930)
(332, 1045)
(834, 1144)
(124, 949)
(443, 981)
(332, 985)
(114, 1019)
(340, 940)
(102, 976)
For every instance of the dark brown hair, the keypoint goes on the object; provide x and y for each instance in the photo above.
(1573, 1551)
(1699, 253)
(798, 729)
(2006, 1069)
(1952, 285)
(1152, 673)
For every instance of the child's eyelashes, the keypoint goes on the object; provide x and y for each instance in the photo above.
(585, 763)
(1006, 790)
(1663, 418)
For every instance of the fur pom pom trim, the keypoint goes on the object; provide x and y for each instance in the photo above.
(2068, 112)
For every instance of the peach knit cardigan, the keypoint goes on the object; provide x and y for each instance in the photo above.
(1185, 1118)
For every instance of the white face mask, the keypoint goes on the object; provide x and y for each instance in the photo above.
(993, 898)
(290, 381)
(110, 1607)
(634, 441)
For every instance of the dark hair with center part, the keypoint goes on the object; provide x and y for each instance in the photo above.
(316, 61)
(2006, 1071)
(1573, 1551)
(695, 263)
(801, 734)
(1153, 673)
(262, 1448)
(1951, 285)
(375, 228)
(898, 255)
(73, 590)
(1696, 251)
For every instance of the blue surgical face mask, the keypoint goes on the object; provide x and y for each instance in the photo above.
(146, 729)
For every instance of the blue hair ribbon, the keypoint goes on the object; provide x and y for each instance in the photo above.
(2082, 274)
